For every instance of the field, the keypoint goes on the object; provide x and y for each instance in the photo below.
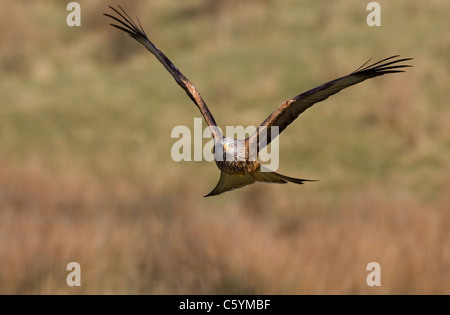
(86, 173)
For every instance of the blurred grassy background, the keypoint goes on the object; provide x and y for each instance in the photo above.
(86, 174)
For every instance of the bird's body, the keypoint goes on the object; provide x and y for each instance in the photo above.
(237, 158)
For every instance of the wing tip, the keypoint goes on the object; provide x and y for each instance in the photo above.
(385, 66)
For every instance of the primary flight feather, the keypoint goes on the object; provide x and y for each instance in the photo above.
(235, 158)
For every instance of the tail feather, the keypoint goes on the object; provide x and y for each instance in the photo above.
(229, 182)
(272, 177)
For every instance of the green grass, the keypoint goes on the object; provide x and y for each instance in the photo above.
(86, 174)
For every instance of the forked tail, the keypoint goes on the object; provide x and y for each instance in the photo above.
(229, 182)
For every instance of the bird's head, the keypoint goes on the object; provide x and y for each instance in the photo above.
(224, 149)
(230, 150)
(228, 145)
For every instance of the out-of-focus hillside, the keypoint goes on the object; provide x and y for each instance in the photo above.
(86, 174)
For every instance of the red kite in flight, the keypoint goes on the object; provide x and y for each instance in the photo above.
(237, 159)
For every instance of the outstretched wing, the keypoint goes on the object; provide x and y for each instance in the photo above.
(288, 111)
(136, 31)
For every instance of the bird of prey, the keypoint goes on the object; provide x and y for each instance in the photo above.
(237, 158)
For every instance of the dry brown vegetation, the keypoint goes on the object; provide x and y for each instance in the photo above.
(86, 173)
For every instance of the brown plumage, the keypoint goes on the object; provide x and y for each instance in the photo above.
(238, 165)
